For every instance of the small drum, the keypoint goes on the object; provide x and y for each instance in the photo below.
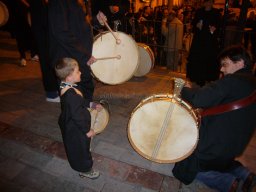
(163, 129)
(99, 119)
(116, 70)
(4, 14)
(146, 61)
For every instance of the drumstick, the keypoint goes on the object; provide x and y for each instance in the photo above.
(118, 41)
(104, 58)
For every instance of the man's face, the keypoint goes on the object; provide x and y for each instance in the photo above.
(229, 67)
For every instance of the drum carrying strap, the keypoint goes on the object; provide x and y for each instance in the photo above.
(230, 106)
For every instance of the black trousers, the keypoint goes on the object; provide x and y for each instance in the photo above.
(49, 78)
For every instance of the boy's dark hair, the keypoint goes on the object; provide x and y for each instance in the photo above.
(236, 53)
(65, 67)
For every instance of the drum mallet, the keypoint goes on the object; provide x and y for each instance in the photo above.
(104, 58)
(118, 41)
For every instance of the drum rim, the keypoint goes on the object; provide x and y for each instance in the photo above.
(168, 96)
(150, 53)
(105, 123)
(136, 68)
(6, 11)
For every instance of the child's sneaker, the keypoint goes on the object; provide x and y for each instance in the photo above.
(90, 174)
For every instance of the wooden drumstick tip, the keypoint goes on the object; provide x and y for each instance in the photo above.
(118, 41)
(118, 56)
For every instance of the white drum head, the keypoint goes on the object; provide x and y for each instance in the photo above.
(114, 71)
(162, 130)
(4, 14)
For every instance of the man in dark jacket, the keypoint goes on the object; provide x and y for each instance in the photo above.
(70, 35)
(223, 134)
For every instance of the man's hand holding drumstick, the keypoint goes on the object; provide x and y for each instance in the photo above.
(102, 20)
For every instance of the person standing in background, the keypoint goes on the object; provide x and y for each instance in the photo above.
(39, 25)
(202, 64)
(173, 32)
(115, 11)
(21, 29)
(250, 36)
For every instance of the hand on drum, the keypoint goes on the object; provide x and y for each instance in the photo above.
(96, 106)
(101, 18)
(91, 133)
(91, 60)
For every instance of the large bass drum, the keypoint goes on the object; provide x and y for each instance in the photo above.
(116, 70)
(146, 60)
(163, 129)
(4, 14)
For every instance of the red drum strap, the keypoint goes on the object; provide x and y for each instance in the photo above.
(230, 106)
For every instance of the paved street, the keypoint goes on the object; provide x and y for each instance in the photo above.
(32, 156)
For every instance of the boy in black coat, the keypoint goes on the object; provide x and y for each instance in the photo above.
(75, 119)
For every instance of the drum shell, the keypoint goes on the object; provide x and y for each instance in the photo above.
(114, 71)
(4, 14)
(179, 138)
(146, 60)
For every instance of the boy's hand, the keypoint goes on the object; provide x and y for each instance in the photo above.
(96, 106)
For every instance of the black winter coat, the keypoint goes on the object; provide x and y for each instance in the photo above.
(70, 34)
(222, 137)
(75, 122)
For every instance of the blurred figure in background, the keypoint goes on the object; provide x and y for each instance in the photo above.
(250, 36)
(115, 11)
(173, 32)
(21, 30)
(202, 65)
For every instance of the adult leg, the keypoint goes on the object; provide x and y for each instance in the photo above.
(49, 78)
(248, 178)
(240, 172)
(221, 181)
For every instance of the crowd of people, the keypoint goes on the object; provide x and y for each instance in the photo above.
(61, 34)
(173, 35)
